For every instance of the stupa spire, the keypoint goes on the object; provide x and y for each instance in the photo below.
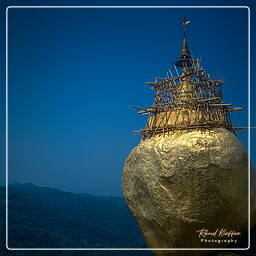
(185, 56)
(192, 100)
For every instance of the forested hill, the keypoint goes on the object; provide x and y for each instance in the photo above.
(43, 217)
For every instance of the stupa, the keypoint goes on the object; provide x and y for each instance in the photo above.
(189, 171)
(190, 100)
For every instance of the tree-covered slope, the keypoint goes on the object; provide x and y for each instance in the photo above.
(42, 217)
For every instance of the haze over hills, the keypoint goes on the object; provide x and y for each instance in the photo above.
(44, 217)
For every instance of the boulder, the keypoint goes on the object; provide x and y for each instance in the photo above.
(189, 180)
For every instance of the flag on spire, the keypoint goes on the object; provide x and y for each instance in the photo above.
(185, 22)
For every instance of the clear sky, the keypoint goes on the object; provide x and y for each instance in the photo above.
(75, 73)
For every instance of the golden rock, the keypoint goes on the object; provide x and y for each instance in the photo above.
(189, 180)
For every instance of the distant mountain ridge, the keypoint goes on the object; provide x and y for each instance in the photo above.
(44, 217)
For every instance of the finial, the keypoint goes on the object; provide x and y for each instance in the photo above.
(184, 57)
(184, 23)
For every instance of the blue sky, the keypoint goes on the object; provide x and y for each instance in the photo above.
(75, 73)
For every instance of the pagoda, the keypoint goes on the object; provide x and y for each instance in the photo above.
(190, 100)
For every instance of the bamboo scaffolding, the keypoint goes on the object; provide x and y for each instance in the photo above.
(202, 100)
(234, 109)
(220, 104)
(243, 128)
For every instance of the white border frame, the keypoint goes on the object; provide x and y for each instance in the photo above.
(130, 249)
